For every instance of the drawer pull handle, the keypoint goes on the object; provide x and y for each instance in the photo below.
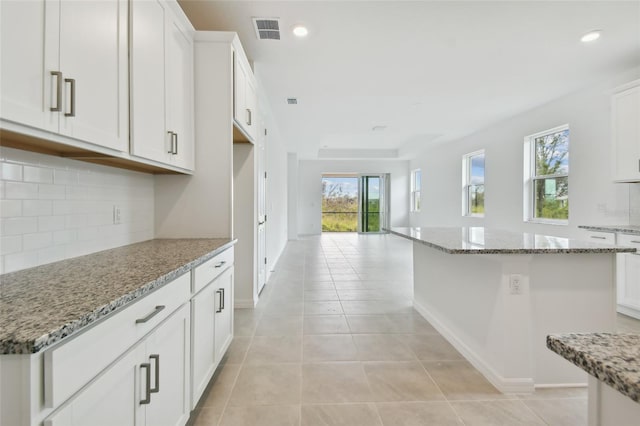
(220, 303)
(222, 299)
(219, 265)
(156, 358)
(155, 312)
(147, 398)
(598, 238)
(635, 242)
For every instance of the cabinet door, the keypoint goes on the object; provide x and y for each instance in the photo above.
(628, 269)
(203, 307)
(239, 96)
(251, 106)
(180, 93)
(224, 313)
(167, 351)
(112, 399)
(149, 137)
(29, 45)
(94, 63)
(626, 135)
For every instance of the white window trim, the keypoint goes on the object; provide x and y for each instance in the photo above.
(466, 176)
(412, 191)
(528, 180)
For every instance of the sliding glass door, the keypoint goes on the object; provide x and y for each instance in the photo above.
(373, 203)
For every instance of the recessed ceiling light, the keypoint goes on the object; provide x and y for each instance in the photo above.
(378, 128)
(591, 36)
(300, 31)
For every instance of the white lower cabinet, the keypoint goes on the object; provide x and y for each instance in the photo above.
(628, 277)
(212, 328)
(146, 386)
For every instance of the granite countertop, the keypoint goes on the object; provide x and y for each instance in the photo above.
(480, 240)
(623, 229)
(612, 358)
(42, 305)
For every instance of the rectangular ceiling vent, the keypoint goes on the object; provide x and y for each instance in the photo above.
(267, 28)
(292, 101)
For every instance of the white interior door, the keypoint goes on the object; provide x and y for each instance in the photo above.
(262, 215)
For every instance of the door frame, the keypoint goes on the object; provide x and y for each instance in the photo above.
(385, 205)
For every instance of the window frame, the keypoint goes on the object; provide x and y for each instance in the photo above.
(415, 194)
(530, 177)
(466, 182)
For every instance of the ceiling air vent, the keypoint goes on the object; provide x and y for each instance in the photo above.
(292, 101)
(267, 28)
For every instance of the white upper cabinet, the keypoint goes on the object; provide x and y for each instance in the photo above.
(244, 97)
(27, 87)
(180, 94)
(68, 72)
(626, 134)
(162, 85)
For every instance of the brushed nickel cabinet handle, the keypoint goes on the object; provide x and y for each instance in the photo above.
(170, 133)
(155, 312)
(222, 299)
(156, 358)
(635, 242)
(58, 76)
(72, 104)
(147, 398)
(219, 265)
(598, 238)
(219, 304)
(248, 117)
(175, 147)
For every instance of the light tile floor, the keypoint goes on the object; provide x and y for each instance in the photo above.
(334, 340)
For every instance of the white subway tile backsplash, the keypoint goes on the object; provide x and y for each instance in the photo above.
(55, 208)
(19, 225)
(51, 192)
(20, 190)
(65, 236)
(9, 171)
(10, 208)
(51, 223)
(10, 244)
(37, 174)
(65, 177)
(37, 241)
(21, 260)
(37, 208)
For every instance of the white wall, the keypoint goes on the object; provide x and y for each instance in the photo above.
(310, 188)
(292, 195)
(54, 208)
(594, 198)
(634, 204)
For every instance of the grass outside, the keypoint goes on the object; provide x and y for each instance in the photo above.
(340, 222)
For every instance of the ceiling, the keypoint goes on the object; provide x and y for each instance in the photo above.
(428, 71)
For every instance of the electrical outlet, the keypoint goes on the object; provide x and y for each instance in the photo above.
(515, 284)
(117, 215)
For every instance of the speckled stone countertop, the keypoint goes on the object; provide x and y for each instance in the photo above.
(623, 229)
(42, 305)
(612, 358)
(480, 240)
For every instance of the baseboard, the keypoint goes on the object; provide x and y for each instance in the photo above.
(630, 312)
(504, 385)
(243, 304)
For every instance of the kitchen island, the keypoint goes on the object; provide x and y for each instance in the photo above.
(496, 295)
(613, 364)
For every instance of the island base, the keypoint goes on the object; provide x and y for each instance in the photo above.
(497, 309)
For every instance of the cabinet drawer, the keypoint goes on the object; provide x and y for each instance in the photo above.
(601, 237)
(211, 269)
(72, 364)
(629, 240)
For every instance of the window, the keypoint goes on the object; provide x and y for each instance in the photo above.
(546, 176)
(473, 184)
(416, 178)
